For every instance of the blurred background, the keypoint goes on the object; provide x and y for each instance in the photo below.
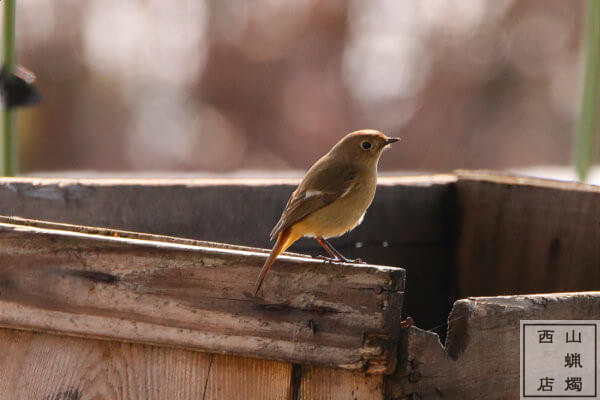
(220, 86)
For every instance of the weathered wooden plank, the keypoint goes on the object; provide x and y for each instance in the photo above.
(517, 235)
(335, 384)
(169, 293)
(481, 357)
(240, 211)
(411, 223)
(51, 367)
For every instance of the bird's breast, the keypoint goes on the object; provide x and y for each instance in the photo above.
(341, 215)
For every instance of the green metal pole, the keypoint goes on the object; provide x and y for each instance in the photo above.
(8, 116)
(585, 142)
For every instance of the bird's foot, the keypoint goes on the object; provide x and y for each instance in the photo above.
(352, 261)
(340, 260)
(329, 259)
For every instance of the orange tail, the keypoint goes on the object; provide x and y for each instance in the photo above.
(284, 240)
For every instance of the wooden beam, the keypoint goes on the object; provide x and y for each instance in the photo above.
(166, 292)
(481, 356)
(518, 234)
(240, 211)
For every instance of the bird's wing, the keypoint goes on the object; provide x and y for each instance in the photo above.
(323, 184)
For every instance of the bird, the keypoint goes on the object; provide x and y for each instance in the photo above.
(333, 196)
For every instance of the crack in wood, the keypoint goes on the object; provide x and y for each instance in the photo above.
(211, 358)
(95, 276)
(285, 307)
(296, 382)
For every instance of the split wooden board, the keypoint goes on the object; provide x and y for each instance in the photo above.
(481, 358)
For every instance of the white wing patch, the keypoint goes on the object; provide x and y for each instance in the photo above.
(360, 220)
(312, 193)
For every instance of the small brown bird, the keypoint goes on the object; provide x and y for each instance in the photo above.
(333, 196)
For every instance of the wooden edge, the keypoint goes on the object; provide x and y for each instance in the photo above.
(116, 233)
(520, 180)
(423, 179)
(159, 241)
(480, 329)
(479, 312)
(418, 180)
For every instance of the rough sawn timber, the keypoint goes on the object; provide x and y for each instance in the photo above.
(481, 356)
(197, 297)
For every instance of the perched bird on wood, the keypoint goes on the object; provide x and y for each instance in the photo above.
(333, 196)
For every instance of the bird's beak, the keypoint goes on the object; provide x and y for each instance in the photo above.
(391, 140)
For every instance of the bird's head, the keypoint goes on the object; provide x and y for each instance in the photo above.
(364, 146)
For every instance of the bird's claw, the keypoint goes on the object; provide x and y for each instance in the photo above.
(328, 259)
(352, 261)
(340, 260)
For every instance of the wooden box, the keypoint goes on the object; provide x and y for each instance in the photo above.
(110, 312)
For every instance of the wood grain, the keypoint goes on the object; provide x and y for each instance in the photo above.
(50, 367)
(335, 384)
(523, 235)
(197, 297)
(481, 357)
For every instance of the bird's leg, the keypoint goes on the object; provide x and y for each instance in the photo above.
(328, 249)
(333, 251)
(337, 256)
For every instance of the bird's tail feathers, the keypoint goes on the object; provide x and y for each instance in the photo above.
(285, 238)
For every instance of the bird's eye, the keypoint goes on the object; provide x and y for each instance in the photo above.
(366, 145)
